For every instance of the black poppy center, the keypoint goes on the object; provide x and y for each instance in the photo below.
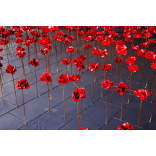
(77, 96)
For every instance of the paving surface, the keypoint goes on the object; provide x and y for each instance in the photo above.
(37, 115)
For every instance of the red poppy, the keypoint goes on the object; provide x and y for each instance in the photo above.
(84, 128)
(138, 35)
(89, 38)
(74, 61)
(34, 62)
(71, 37)
(133, 68)
(153, 58)
(142, 93)
(22, 84)
(99, 38)
(125, 126)
(94, 66)
(66, 61)
(78, 94)
(63, 78)
(45, 40)
(131, 60)
(80, 67)
(145, 44)
(1, 58)
(18, 34)
(70, 49)
(118, 60)
(10, 69)
(107, 67)
(46, 77)
(20, 48)
(66, 41)
(120, 42)
(141, 53)
(4, 42)
(149, 54)
(87, 46)
(107, 84)
(122, 88)
(27, 42)
(20, 54)
(19, 40)
(121, 49)
(153, 65)
(44, 51)
(1, 49)
(105, 43)
(82, 57)
(74, 78)
(94, 51)
(128, 38)
(135, 47)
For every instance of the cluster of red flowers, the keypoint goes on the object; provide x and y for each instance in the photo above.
(105, 36)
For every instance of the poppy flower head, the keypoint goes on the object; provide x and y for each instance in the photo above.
(131, 60)
(149, 54)
(66, 41)
(142, 94)
(22, 84)
(20, 54)
(87, 46)
(18, 48)
(18, 34)
(120, 43)
(121, 49)
(133, 68)
(94, 51)
(99, 38)
(34, 62)
(82, 57)
(70, 49)
(19, 40)
(153, 58)
(89, 38)
(27, 42)
(75, 61)
(63, 78)
(138, 35)
(107, 67)
(141, 53)
(66, 61)
(125, 126)
(93, 66)
(135, 47)
(118, 60)
(122, 88)
(4, 42)
(78, 94)
(46, 77)
(105, 43)
(71, 37)
(84, 128)
(107, 84)
(10, 69)
(45, 40)
(74, 78)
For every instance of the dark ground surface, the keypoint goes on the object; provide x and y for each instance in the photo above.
(37, 115)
